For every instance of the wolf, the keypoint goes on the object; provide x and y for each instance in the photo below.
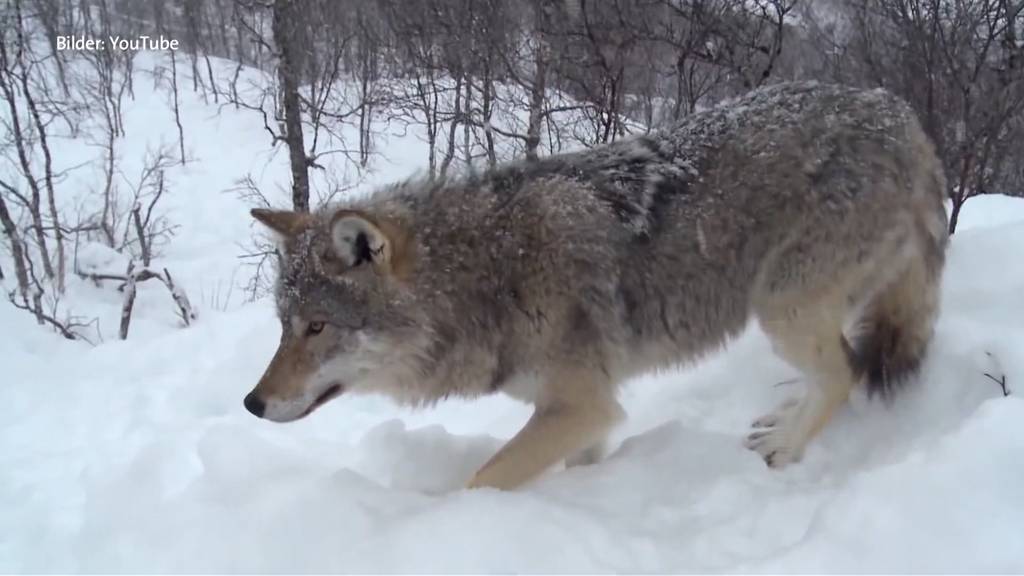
(816, 209)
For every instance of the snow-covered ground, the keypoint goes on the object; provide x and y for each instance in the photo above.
(137, 456)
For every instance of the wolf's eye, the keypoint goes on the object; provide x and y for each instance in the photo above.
(314, 328)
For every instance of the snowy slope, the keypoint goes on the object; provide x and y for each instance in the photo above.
(137, 456)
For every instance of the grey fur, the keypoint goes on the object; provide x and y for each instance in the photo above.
(807, 205)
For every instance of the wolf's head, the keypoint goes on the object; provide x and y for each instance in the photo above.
(346, 321)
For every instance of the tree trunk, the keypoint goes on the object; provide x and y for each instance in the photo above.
(453, 129)
(538, 87)
(177, 109)
(486, 109)
(17, 251)
(128, 302)
(21, 147)
(58, 234)
(467, 143)
(954, 216)
(285, 17)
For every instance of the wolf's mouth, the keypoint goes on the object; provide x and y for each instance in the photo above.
(331, 392)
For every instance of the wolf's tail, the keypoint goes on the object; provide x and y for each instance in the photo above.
(897, 325)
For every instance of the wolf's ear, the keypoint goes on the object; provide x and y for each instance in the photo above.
(358, 240)
(284, 222)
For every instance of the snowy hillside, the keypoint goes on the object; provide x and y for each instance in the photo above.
(137, 455)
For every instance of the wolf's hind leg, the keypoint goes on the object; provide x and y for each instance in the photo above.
(809, 337)
(576, 418)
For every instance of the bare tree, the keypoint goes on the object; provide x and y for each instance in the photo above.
(13, 74)
(177, 107)
(960, 65)
(16, 245)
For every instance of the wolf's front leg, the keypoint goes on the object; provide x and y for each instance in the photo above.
(577, 417)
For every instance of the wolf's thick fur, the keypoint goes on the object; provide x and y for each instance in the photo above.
(816, 208)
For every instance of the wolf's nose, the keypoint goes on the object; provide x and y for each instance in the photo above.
(254, 404)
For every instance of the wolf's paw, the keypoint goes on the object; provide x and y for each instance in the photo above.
(777, 435)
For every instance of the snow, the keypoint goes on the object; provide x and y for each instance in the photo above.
(138, 456)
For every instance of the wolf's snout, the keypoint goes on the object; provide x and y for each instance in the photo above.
(254, 404)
